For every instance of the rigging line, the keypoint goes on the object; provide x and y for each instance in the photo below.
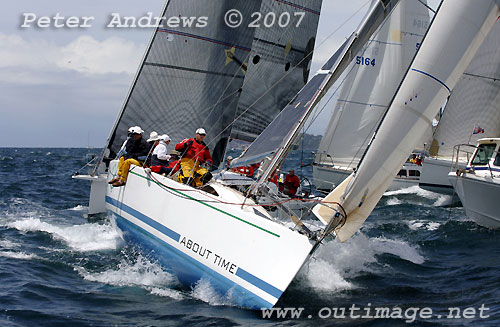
(494, 79)
(370, 41)
(291, 70)
(223, 92)
(215, 200)
(427, 6)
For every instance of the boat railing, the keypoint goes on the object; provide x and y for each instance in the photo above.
(469, 151)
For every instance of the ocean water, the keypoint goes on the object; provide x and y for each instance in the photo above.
(59, 268)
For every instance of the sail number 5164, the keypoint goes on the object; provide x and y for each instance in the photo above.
(365, 61)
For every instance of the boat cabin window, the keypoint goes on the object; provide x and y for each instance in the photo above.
(484, 154)
(414, 173)
(402, 173)
(497, 159)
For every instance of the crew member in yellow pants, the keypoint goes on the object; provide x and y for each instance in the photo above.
(124, 167)
(196, 177)
(135, 147)
(194, 152)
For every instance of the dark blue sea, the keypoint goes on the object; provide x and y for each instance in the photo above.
(415, 255)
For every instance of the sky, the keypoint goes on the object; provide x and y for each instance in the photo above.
(64, 86)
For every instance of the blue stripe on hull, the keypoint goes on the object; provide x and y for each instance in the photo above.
(188, 270)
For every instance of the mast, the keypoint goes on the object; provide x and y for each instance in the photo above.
(275, 139)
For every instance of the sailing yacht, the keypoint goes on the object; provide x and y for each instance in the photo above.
(457, 31)
(478, 185)
(470, 113)
(224, 237)
(371, 81)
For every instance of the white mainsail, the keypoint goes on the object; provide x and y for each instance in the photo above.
(369, 88)
(473, 102)
(456, 33)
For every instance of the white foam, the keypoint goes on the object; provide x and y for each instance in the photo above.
(398, 248)
(6, 244)
(393, 201)
(421, 224)
(79, 208)
(335, 263)
(142, 273)
(18, 255)
(323, 275)
(440, 199)
(86, 237)
(166, 292)
(204, 291)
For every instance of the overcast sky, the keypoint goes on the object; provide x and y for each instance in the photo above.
(64, 87)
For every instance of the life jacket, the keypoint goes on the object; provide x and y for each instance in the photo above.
(192, 149)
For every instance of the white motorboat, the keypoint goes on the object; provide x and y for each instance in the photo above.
(478, 185)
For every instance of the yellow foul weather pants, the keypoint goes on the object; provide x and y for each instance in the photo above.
(124, 167)
(191, 173)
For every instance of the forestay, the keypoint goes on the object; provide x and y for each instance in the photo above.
(279, 135)
(372, 79)
(456, 33)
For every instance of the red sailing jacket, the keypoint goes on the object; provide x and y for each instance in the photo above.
(194, 150)
(292, 182)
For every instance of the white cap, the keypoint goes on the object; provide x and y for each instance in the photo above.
(164, 138)
(201, 131)
(153, 136)
(135, 130)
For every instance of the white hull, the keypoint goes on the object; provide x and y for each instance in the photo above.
(479, 196)
(434, 175)
(328, 177)
(240, 251)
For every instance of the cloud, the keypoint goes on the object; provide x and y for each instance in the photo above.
(35, 61)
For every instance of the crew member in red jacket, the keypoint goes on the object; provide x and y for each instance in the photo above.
(291, 183)
(194, 152)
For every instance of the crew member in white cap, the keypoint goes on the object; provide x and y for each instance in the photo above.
(194, 152)
(135, 149)
(160, 153)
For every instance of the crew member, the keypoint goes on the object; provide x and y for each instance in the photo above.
(160, 157)
(135, 149)
(194, 152)
(291, 183)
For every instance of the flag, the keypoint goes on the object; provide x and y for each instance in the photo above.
(478, 130)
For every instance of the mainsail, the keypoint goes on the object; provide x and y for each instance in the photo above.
(373, 78)
(456, 33)
(277, 138)
(473, 104)
(279, 61)
(195, 75)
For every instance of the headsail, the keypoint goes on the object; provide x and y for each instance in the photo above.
(279, 135)
(279, 61)
(373, 78)
(473, 102)
(456, 33)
